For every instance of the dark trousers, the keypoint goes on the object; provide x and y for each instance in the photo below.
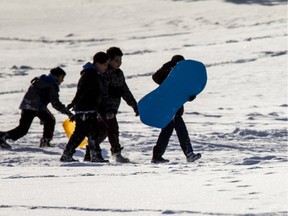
(108, 128)
(27, 116)
(166, 133)
(86, 126)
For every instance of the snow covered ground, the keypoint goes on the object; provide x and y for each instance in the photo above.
(238, 123)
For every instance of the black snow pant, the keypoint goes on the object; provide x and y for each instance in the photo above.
(108, 128)
(165, 134)
(27, 116)
(86, 126)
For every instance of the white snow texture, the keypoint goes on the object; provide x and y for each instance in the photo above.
(238, 123)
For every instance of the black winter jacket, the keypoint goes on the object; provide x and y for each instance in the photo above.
(89, 90)
(42, 91)
(160, 75)
(117, 89)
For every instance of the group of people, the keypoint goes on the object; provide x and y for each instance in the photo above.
(94, 109)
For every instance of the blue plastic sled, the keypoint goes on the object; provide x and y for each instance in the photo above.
(158, 108)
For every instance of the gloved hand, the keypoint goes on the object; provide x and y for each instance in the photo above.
(192, 97)
(135, 108)
(70, 106)
(110, 115)
(71, 116)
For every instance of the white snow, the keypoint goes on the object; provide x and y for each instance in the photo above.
(238, 123)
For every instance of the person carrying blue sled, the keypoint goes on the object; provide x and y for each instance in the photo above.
(176, 123)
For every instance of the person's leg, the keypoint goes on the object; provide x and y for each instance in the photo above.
(162, 143)
(93, 136)
(22, 129)
(47, 118)
(76, 138)
(113, 137)
(184, 139)
(113, 134)
(183, 136)
(102, 134)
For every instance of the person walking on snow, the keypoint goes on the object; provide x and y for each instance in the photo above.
(86, 103)
(177, 122)
(114, 81)
(42, 91)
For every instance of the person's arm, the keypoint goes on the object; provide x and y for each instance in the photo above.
(160, 75)
(127, 95)
(56, 103)
(192, 97)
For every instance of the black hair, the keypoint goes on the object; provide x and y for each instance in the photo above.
(57, 71)
(177, 58)
(100, 57)
(174, 60)
(114, 51)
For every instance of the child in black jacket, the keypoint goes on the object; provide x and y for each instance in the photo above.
(117, 88)
(86, 103)
(42, 91)
(177, 122)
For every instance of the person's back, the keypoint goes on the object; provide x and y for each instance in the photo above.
(42, 91)
(160, 75)
(89, 90)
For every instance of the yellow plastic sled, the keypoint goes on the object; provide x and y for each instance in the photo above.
(69, 127)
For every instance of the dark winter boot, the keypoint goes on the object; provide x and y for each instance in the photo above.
(157, 156)
(44, 142)
(96, 157)
(67, 156)
(193, 157)
(119, 158)
(116, 153)
(157, 160)
(3, 143)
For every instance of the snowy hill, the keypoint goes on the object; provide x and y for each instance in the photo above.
(238, 123)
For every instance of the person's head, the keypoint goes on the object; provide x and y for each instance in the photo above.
(174, 60)
(115, 54)
(59, 74)
(177, 58)
(101, 61)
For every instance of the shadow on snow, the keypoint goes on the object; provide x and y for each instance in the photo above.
(262, 2)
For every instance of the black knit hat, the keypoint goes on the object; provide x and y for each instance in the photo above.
(57, 71)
